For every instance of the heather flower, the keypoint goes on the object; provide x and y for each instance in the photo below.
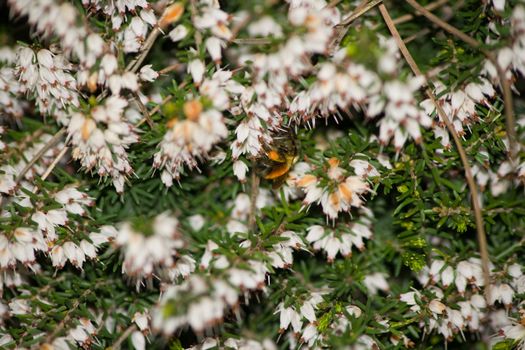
(346, 192)
(188, 140)
(148, 253)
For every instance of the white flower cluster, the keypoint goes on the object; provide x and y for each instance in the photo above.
(101, 138)
(19, 247)
(191, 139)
(402, 115)
(511, 58)
(445, 320)
(241, 210)
(188, 140)
(271, 74)
(10, 89)
(375, 282)
(135, 32)
(342, 84)
(138, 337)
(75, 253)
(235, 344)
(206, 308)
(50, 18)
(10, 172)
(214, 23)
(459, 106)
(281, 254)
(467, 273)
(82, 335)
(495, 181)
(339, 85)
(342, 191)
(134, 35)
(471, 309)
(47, 76)
(116, 9)
(341, 239)
(71, 249)
(212, 297)
(154, 250)
(295, 315)
(313, 334)
(514, 331)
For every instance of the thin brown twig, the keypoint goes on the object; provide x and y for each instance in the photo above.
(55, 162)
(359, 11)
(66, 318)
(197, 34)
(507, 94)
(169, 68)
(134, 65)
(252, 222)
(116, 345)
(40, 153)
(154, 110)
(252, 41)
(35, 297)
(333, 3)
(239, 26)
(22, 145)
(480, 225)
(419, 34)
(342, 28)
(144, 111)
(430, 7)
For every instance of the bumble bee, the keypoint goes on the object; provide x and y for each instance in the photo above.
(279, 158)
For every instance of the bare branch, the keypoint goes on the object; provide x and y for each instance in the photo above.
(116, 345)
(253, 198)
(480, 225)
(134, 65)
(54, 140)
(507, 94)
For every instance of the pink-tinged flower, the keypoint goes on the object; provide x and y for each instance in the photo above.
(138, 340)
(469, 271)
(146, 73)
(47, 221)
(178, 33)
(363, 168)
(145, 255)
(188, 140)
(74, 254)
(100, 140)
(109, 64)
(341, 239)
(410, 299)
(502, 293)
(289, 316)
(402, 116)
(309, 334)
(437, 307)
(58, 257)
(376, 282)
(214, 47)
(47, 77)
(346, 192)
(196, 68)
(265, 26)
(308, 312)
